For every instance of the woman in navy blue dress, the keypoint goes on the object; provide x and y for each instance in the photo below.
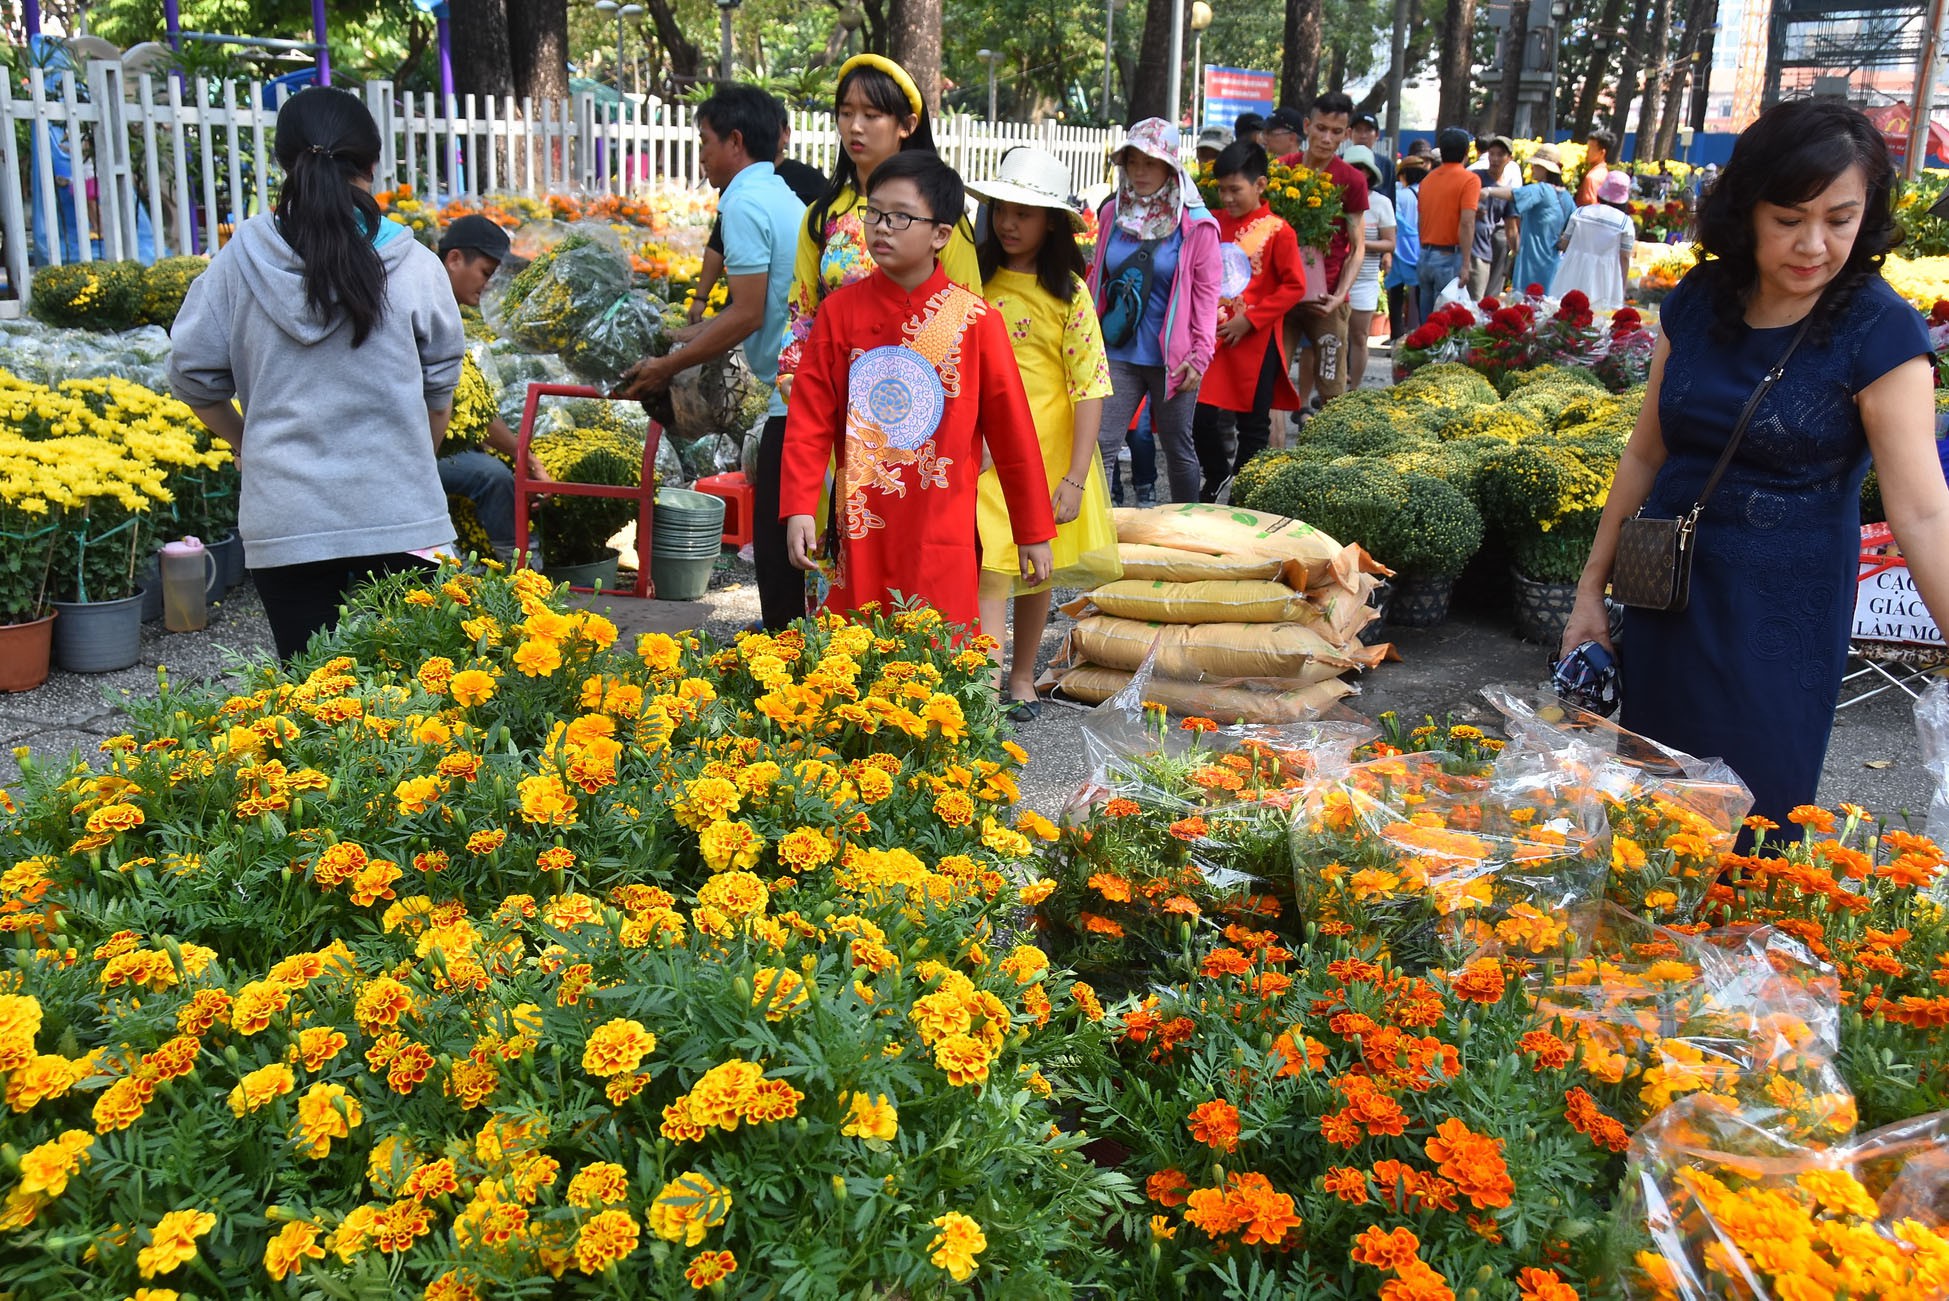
(1750, 670)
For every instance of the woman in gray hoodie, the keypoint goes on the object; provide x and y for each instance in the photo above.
(340, 337)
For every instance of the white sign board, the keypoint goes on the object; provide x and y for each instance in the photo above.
(1888, 608)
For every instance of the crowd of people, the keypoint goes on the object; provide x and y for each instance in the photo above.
(953, 379)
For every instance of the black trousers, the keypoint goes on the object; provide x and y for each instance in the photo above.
(781, 587)
(300, 600)
(1226, 440)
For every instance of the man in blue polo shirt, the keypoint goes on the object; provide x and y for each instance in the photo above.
(737, 132)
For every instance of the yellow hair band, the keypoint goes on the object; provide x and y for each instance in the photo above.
(899, 74)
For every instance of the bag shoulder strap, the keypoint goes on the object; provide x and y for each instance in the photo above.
(1765, 386)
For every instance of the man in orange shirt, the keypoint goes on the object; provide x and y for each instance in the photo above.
(1597, 158)
(1449, 198)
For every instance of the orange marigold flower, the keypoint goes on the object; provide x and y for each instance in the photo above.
(708, 1267)
(1347, 1183)
(1215, 1124)
(1384, 1250)
(1167, 1187)
(1101, 925)
(1543, 1285)
(1111, 886)
(1191, 828)
(1416, 1281)
(1474, 1162)
(1813, 817)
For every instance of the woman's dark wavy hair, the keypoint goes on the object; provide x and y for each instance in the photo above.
(884, 94)
(324, 139)
(1793, 152)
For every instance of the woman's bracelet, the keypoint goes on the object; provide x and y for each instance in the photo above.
(1072, 483)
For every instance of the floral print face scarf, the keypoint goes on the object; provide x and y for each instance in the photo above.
(1144, 217)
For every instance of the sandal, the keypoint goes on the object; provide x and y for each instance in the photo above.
(1024, 711)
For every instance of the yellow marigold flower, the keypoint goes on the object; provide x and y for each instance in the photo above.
(260, 1086)
(546, 802)
(597, 1185)
(382, 1003)
(727, 845)
(172, 1243)
(45, 1170)
(538, 657)
(688, 1207)
(659, 652)
(964, 1058)
(607, 1237)
(294, 1244)
(326, 1112)
(781, 991)
(874, 1118)
(417, 794)
(805, 849)
(471, 687)
(617, 1047)
(41, 1077)
(957, 1244)
(738, 894)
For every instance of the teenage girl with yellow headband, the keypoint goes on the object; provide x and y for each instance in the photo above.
(879, 113)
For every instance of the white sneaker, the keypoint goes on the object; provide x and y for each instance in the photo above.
(1123, 454)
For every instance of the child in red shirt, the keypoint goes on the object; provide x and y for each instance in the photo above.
(1263, 280)
(904, 378)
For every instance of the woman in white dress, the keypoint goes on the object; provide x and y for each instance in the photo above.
(1596, 246)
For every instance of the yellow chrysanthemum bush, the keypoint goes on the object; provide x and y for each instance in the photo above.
(482, 952)
(92, 471)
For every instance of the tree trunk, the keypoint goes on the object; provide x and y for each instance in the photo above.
(481, 63)
(1702, 70)
(914, 42)
(1515, 49)
(1599, 66)
(1336, 69)
(1627, 82)
(1698, 16)
(1420, 41)
(1457, 56)
(538, 41)
(685, 57)
(1658, 73)
(1152, 84)
(1299, 70)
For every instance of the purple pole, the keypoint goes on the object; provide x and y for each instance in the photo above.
(172, 22)
(30, 16)
(318, 35)
(446, 62)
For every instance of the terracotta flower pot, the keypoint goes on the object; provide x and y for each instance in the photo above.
(25, 652)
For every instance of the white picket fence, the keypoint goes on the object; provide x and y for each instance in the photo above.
(163, 165)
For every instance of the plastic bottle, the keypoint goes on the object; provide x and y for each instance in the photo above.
(188, 572)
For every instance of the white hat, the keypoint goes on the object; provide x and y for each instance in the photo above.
(1032, 177)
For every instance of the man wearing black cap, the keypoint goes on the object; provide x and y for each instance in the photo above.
(1284, 136)
(472, 249)
(1365, 129)
(1247, 127)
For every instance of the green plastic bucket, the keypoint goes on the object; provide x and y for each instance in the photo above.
(681, 578)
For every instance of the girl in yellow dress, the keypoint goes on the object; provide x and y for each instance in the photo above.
(1032, 273)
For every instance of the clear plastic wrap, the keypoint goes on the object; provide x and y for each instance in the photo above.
(574, 300)
(711, 454)
(1723, 1203)
(1176, 824)
(1932, 729)
(1745, 1015)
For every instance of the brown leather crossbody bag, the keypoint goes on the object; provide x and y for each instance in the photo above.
(1653, 569)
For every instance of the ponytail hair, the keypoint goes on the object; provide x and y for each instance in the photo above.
(326, 138)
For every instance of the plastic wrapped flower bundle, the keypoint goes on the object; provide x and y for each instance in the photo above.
(574, 300)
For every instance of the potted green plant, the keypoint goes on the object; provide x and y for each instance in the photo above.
(1545, 572)
(28, 524)
(575, 531)
(1427, 542)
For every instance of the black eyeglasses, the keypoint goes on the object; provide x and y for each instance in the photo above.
(893, 221)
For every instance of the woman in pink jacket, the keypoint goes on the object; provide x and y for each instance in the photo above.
(1156, 276)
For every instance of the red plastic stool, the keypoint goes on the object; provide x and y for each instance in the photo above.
(644, 494)
(740, 503)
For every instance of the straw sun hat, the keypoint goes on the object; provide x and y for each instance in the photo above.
(1034, 178)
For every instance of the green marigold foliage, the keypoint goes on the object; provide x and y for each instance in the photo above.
(1550, 374)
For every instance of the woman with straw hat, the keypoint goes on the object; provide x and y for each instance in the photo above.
(1543, 208)
(1032, 274)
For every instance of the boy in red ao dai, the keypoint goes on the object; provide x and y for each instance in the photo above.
(1264, 279)
(904, 377)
